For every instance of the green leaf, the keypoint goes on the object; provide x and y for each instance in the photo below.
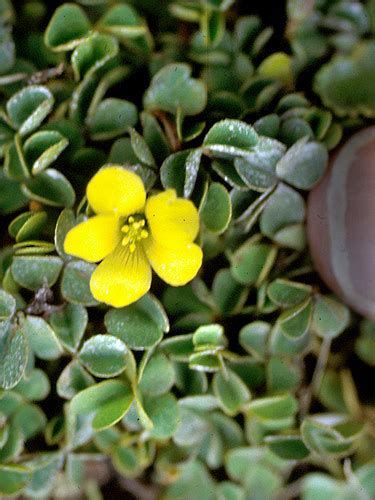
(15, 165)
(65, 222)
(252, 262)
(34, 272)
(194, 481)
(331, 393)
(253, 338)
(230, 138)
(231, 392)
(112, 118)
(92, 54)
(282, 375)
(205, 361)
(158, 376)
(30, 420)
(11, 196)
(225, 169)
(69, 324)
(365, 342)
(192, 165)
(13, 478)
(268, 125)
(164, 414)
(7, 51)
(44, 470)
(127, 460)
(173, 171)
(14, 444)
(103, 355)
(228, 294)
(50, 187)
(75, 283)
(155, 137)
(179, 347)
(72, 380)
(192, 428)
(172, 88)
(287, 293)
(209, 337)
(134, 326)
(257, 168)
(83, 97)
(295, 322)
(123, 22)
(319, 486)
(226, 490)
(35, 387)
(43, 148)
(295, 129)
(140, 148)
(335, 82)
(335, 439)
(274, 407)
(13, 356)
(216, 209)
(27, 226)
(67, 27)
(284, 208)
(289, 447)
(303, 164)
(108, 401)
(42, 339)
(330, 317)
(7, 305)
(29, 107)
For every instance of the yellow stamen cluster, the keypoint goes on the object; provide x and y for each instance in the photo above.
(134, 231)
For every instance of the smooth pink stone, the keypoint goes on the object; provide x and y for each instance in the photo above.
(341, 223)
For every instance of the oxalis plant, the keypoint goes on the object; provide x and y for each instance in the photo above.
(163, 332)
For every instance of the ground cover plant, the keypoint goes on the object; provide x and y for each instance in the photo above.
(164, 333)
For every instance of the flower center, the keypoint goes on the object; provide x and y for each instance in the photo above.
(135, 231)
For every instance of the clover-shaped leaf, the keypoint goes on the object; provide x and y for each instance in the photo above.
(50, 187)
(43, 148)
(303, 164)
(108, 401)
(27, 225)
(92, 54)
(172, 88)
(13, 357)
(104, 355)
(335, 82)
(216, 210)
(230, 138)
(123, 22)
(28, 108)
(112, 118)
(68, 25)
(32, 272)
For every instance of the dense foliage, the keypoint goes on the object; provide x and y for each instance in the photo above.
(253, 380)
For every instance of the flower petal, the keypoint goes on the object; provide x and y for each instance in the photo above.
(116, 190)
(93, 239)
(173, 221)
(122, 278)
(176, 266)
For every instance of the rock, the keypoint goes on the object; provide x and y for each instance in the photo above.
(341, 223)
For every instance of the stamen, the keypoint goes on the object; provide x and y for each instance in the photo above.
(134, 230)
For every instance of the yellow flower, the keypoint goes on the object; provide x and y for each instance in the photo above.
(130, 235)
